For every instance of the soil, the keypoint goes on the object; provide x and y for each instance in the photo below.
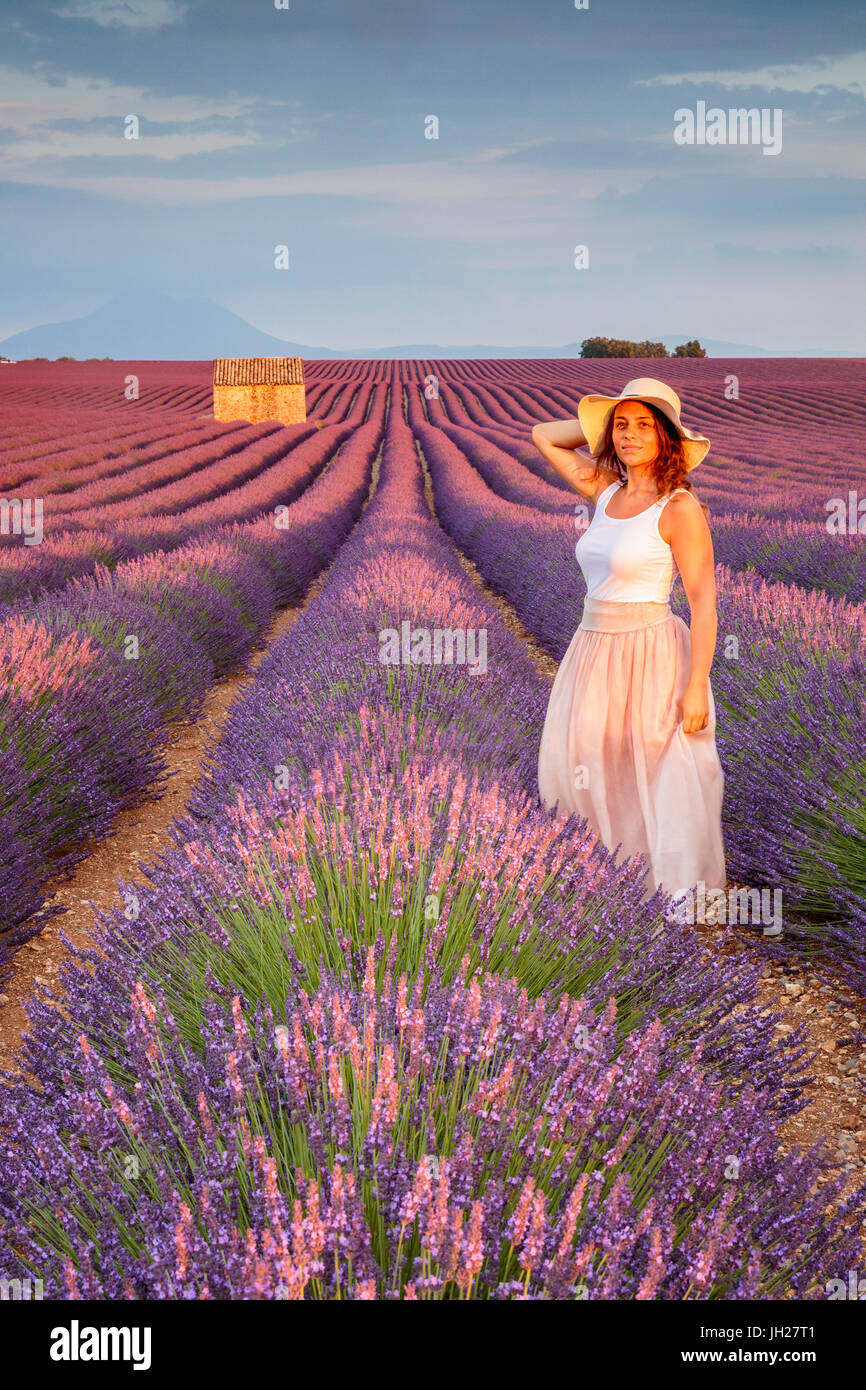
(834, 1015)
(138, 837)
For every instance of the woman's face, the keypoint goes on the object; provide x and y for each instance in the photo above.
(635, 433)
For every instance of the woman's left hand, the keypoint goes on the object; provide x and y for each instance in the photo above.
(695, 707)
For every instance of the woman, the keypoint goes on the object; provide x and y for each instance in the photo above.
(629, 737)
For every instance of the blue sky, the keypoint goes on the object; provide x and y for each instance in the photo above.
(306, 126)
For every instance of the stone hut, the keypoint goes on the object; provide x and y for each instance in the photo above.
(259, 388)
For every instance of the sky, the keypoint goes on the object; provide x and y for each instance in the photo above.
(306, 127)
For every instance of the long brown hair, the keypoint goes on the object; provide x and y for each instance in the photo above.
(669, 465)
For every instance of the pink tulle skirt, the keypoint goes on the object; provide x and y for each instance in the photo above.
(613, 749)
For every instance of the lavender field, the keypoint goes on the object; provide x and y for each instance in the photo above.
(377, 1027)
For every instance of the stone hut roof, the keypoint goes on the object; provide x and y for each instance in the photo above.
(258, 371)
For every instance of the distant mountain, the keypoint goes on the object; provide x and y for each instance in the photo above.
(717, 347)
(158, 327)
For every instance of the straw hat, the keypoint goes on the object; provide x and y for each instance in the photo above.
(593, 410)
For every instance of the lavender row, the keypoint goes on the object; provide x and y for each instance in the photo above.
(27, 570)
(755, 466)
(499, 469)
(800, 552)
(91, 675)
(81, 463)
(788, 680)
(379, 1028)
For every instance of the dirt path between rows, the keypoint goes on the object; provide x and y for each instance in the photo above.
(833, 1013)
(836, 1114)
(140, 835)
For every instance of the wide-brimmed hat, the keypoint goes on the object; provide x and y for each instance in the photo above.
(593, 410)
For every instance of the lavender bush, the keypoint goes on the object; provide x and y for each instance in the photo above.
(381, 1028)
(792, 728)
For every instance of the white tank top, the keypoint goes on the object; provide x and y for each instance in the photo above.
(624, 559)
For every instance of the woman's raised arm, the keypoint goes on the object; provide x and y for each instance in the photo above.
(558, 442)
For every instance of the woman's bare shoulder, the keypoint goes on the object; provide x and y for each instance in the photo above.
(685, 501)
(683, 508)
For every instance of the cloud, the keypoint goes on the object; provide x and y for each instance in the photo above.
(44, 122)
(56, 134)
(811, 255)
(592, 149)
(124, 14)
(27, 97)
(722, 208)
(438, 185)
(847, 72)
